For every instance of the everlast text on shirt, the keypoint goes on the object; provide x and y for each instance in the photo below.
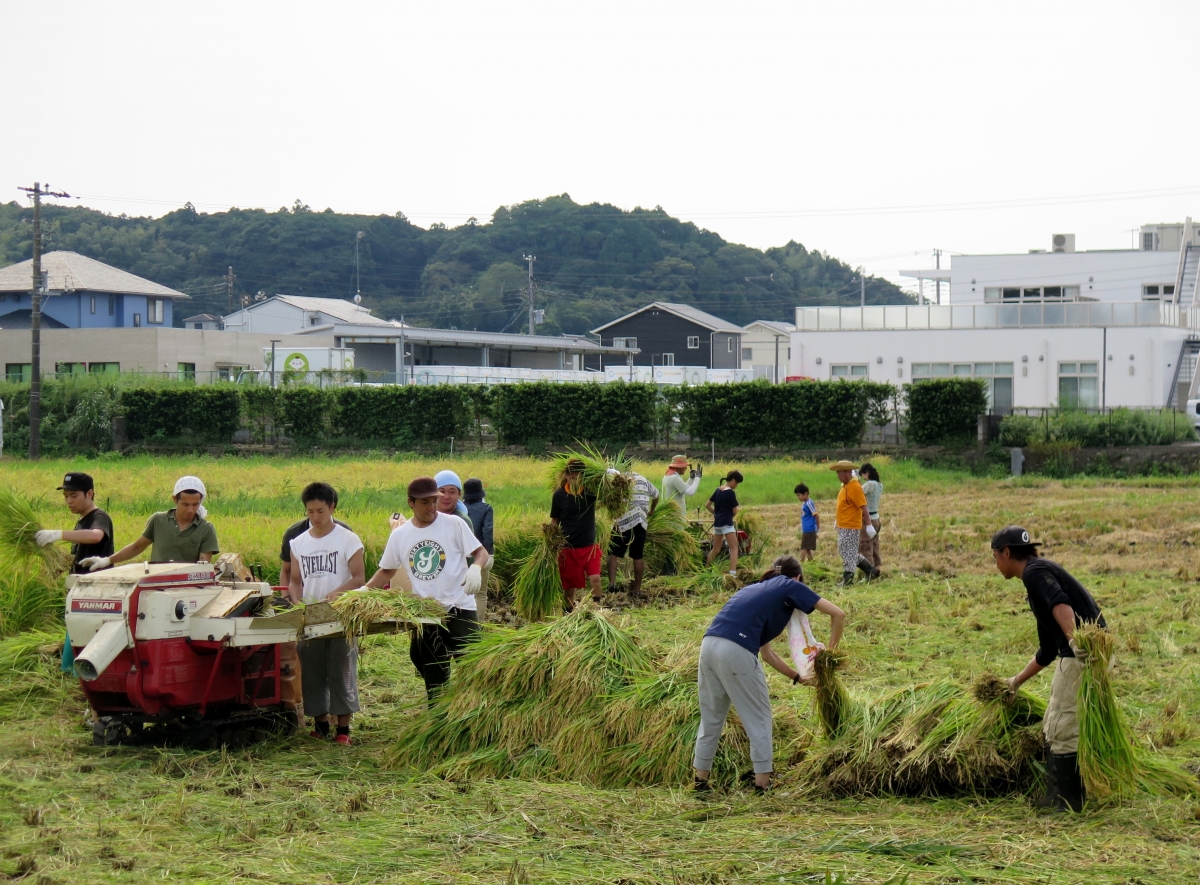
(322, 563)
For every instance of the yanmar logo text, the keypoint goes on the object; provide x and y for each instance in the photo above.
(96, 606)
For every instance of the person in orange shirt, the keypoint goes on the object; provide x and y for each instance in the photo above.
(852, 518)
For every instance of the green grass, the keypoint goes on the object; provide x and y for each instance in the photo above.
(298, 811)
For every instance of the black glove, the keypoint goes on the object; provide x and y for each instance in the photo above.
(693, 474)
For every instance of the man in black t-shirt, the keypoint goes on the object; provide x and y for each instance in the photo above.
(93, 533)
(574, 510)
(294, 531)
(1059, 604)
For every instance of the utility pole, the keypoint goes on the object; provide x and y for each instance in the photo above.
(35, 320)
(937, 254)
(229, 287)
(863, 281)
(531, 259)
(357, 281)
(403, 355)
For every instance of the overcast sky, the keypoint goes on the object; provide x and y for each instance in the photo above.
(871, 131)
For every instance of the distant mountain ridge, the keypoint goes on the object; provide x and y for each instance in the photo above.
(594, 262)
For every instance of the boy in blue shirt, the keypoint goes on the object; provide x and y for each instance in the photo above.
(810, 523)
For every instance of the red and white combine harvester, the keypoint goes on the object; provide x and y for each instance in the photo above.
(189, 649)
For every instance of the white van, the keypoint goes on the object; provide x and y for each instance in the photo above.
(1193, 411)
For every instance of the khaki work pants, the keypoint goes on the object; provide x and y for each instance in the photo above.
(1061, 725)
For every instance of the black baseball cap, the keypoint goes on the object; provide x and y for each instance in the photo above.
(77, 482)
(1012, 536)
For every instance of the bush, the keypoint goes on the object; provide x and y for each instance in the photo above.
(208, 414)
(945, 411)
(1120, 427)
(800, 414)
(401, 416)
(618, 414)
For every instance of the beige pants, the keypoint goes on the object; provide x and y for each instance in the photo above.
(868, 548)
(1061, 725)
(485, 574)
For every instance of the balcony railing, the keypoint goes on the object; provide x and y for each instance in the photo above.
(997, 316)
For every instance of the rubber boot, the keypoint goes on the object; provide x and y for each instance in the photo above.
(847, 579)
(1068, 780)
(1050, 800)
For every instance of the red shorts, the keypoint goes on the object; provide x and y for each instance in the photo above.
(576, 563)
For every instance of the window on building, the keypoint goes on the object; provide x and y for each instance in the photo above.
(112, 305)
(1026, 294)
(1148, 241)
(312, 321)
(104, 368)
(747, 353)
(1158, 291)
(693, 342)
(3, 296)
(668, 359)
(18, 373)
(66, 370)
(137, 319)
(848, 371)
(729, 345)
(625, 342)
(93, 304)
(187, 371)
(1079, 385)
(998, 378)
(154, 310)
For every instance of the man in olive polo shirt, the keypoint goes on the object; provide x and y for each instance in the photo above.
(180, 534)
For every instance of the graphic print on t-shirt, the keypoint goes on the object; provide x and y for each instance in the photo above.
(426, 559)
(322, 563)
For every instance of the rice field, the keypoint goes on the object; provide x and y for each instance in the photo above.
(300, 811)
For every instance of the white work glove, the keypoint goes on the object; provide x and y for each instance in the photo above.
(95, 563)
(45, 537)
(397, 520)
(870, 530)
(1081, 653)
(474, 580)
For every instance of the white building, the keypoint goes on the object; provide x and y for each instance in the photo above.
(284, 314)
(1091, 329)
(766, 349)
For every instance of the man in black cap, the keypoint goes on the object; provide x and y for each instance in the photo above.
(1059, 604)
(93, 533)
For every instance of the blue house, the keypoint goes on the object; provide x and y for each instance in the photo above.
(83, 294)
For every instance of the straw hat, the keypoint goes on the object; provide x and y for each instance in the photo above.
(680, 461)
(842, 465)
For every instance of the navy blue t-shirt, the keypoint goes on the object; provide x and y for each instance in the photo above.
(723, 500)
(758, 613)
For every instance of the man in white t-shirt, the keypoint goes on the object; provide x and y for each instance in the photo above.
(327, 561)
(432, 549)
(629, 533)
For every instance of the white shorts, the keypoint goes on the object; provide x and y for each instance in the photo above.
(724, 530)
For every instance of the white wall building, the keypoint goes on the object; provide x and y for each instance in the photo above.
(766, 349)
(1045, 329)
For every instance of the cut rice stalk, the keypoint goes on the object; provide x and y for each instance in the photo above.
(608, 479)
(833, 701)
(359, 609)
(19, 524)
(537, 588)
(670, 548)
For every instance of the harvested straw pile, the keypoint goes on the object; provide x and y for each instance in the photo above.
(537, 588)
(613, 491)
(1112, 764)
(934, 739)
(18, 525)
(574, 699)
(359, 609)
(670, 548)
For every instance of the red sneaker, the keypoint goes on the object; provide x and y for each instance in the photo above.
(316, 734)
(343, 739)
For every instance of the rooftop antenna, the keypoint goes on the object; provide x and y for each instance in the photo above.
(357, 287)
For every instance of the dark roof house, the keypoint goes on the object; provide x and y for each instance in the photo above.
(668, 334)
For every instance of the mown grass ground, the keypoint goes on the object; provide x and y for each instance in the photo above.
(298, 811)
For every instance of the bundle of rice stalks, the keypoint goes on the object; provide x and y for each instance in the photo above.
(18, 525)
(749, 522)
(29, 663)
(613, 490)
(1111, 763)
(832, 699)
(670, 548)
(359, 609)
(510, 550)
(537, 587)
(30, 594)
(933, 739)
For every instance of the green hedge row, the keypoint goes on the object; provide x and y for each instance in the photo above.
(1120, 427)
(78, 413)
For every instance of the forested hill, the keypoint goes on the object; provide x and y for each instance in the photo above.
(594, 262)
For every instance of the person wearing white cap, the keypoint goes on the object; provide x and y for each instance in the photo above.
(181, 534)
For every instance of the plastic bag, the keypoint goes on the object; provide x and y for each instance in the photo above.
(803, 644)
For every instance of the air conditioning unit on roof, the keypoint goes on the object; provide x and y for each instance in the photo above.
(1063, 243)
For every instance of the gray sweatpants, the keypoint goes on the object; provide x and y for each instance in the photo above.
(729, 673)
(329, 676)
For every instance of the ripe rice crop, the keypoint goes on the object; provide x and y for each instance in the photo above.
(359, 609)
(537, 587)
